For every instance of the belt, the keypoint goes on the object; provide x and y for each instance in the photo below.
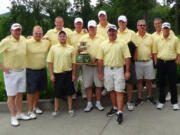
(143, 60)
(166, 61)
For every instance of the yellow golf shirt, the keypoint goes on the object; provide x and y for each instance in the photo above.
(127, 35)
(102, 31)
(114, 53)
(167, 49)
(75, 38)
(36, 53)
(92, 44)
(144, 46)
(52, 35)
(14, 52)
(62, 57)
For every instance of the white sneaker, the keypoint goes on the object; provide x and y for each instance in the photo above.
(160, 106)
(22, 116)
(14, 122)
(37, 110)
(84, 95)
(32, 115)
(88, 108)
(168, 96)
(104, 92)
(175, 107)
(55, 114)
(71, 113)
(130, 106)
(99, 107)
(74, 96)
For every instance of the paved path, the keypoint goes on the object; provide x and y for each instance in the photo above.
(145, 120)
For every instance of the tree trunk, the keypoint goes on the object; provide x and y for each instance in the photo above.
(177, 17)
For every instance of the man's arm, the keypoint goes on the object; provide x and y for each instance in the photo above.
(5, 69)
(74, 72)
(50, 66)
(127, 73)
(100, 69)
(178, 59)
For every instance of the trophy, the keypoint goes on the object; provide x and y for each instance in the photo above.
(83, 57)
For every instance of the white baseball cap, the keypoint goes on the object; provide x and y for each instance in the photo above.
(166, 25)
(16, 26)
(112, 26)
(78, 19)
(92, 23)
(122, 18)
(102, 12)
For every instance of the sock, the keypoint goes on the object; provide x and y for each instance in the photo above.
(89, 103)
(114, 107)
(119, 112)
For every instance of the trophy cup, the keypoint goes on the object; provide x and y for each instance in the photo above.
(83, 57)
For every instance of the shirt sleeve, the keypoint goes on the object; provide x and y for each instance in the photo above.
(74, 56)
(100, 54)
(50, 57)
(126, 52)
(177, 46)
(3, 45)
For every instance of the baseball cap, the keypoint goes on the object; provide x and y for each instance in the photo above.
(112, 26)
(166, 25)
(122, 18)
(92, 23)
(62, 31)
(78, 19)
(102, 12)
(16, 26)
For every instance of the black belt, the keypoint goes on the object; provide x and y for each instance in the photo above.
(143, 60)
(166, 61)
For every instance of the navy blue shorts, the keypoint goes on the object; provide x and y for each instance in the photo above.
(63, 81)
(133, 78)
(36, 80)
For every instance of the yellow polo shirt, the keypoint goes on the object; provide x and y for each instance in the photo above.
(114, 53)
(75, 38)
(102, 31)
(14, 52)
(127, 35)
(144, 46)
(167, 49)
(62, 58)
(52, 35)
(92, 44)
(36, 53)
(157, 35)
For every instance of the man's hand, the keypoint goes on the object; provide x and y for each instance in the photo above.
(94, 60)
(52, 77)
(6, 70)
(101, 77)
(127, 75)
(73, 78)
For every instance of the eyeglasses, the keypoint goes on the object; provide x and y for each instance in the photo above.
(142, 25)
(38, 33)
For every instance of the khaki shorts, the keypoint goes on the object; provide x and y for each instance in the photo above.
(144, 70)
(15, 82)
(90, 75)
(114, 78)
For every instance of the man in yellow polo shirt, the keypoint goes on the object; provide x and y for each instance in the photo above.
(90, 72)
(75, 41)
(102, 31)
(128, 36)
(52, 34)
(61, 62)
(103, 24)
(166, 56)
(13, 49)
(113, 54)
(144, 64)
(36, 74)
(158, 33)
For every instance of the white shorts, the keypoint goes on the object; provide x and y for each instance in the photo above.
(144, 70)
(90, 75)
(15, 82)
(114, 79)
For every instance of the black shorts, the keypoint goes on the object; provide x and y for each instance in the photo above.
(63, 81)
(36, 80)
(133, 78)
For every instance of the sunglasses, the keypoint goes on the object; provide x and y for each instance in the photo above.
(142, 25)
(38, 33)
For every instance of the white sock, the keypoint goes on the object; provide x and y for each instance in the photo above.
(98, 102)
(89, 103)
(114, 107)
(119, 112)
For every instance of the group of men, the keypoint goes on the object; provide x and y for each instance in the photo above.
(120, 58)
